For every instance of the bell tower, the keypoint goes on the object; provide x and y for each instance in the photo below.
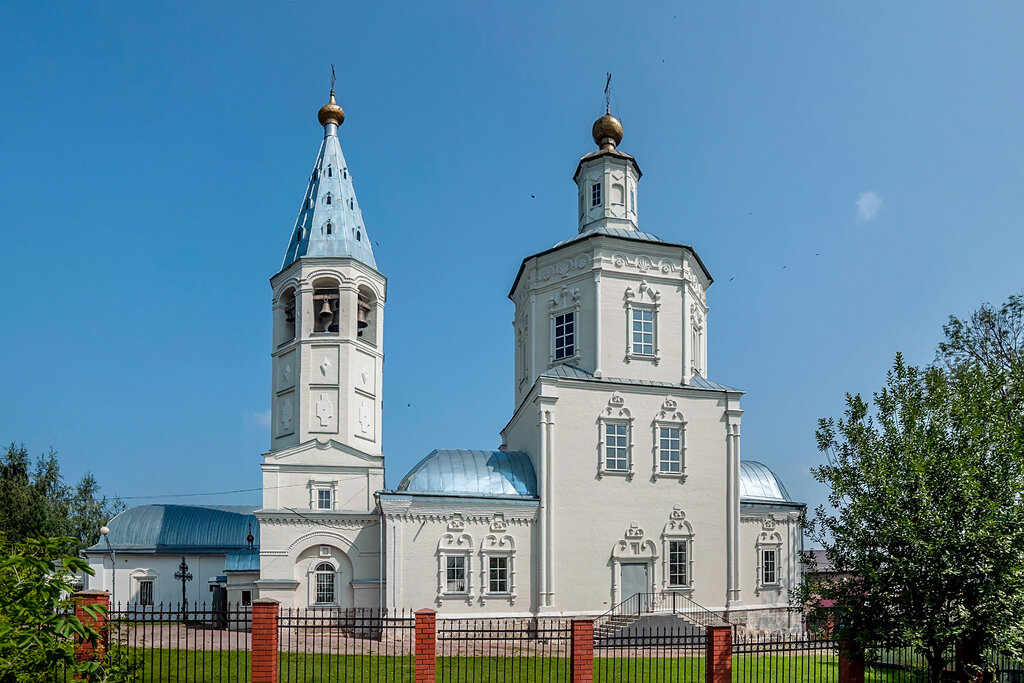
(328, 303)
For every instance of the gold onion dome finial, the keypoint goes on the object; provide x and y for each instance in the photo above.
(332, 113)
(607, 131)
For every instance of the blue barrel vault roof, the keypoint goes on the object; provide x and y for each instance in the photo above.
(183, 528)
(472, 473)
(758, 484)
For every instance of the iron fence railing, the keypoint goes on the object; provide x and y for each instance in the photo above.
(666, 651)
(503, 650)
(180, 643)
(345, 644)
(784, 658)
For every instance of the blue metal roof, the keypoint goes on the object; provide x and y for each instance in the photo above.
(759, 484)
(182, 528)
(472, 473)
(628, 233)
(330, 222)
(243, 561)
(566, 371)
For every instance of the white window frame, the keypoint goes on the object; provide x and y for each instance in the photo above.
(669, 418)
(768, 540)
(774, 553)
(615, 414)
(642, 299)
(315, 487)
(454, 543)
(595, 194)
(448, 558)
(319, 572)
(496, 546)
(137, 577)
(148, 581)
(677, 530)
(640, 314)
(496, 565)
(312, 572)
(670, 562)
(565, 301)
(564, 343)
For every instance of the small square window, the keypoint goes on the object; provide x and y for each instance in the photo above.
(643, 332)
(616, 447)
(565, 335)
(455, 574)
(146, 592)
(497, 575)
(595, 194)
(670, 455)
(323, 499)
(769, 566)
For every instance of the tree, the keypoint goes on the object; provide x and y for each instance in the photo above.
(37, 503)
(926, 517)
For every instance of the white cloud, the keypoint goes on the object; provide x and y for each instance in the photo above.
(868, 205)
(259, 419)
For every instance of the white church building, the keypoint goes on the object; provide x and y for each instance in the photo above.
(619, 472)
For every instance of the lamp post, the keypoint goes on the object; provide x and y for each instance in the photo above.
(105, 533)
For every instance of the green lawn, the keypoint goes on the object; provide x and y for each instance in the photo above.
(170, 666)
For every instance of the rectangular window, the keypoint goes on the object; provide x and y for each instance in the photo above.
(769, 574)
(670, 457)
(246, 598)
(146, 592)
(565, 335)
(456, 574)
(643, 332)
(497, 575)
(323, 499)
(595, 194)
(324, 587)
(677, 564)
(632, 200)
(616, 448)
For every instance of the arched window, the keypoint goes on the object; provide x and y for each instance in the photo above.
(359, 236)
(329, 229)
(330, 172)
(328, 200)
(298, 235)
(351, 203)
(324, 578)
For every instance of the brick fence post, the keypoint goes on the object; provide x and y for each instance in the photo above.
(582, 658)
(851, 661)
(426, 644)
(264, 640)
(85, 650)
(718, 656)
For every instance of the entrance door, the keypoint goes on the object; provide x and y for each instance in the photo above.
(635, 587)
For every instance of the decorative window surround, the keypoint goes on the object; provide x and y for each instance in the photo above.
(769, 539)
(138, 577)
(455, 543)
(522, 349)
(615, 414)
(633, 548)
(315, 488)
(677, 529)
(642, 299)
(566, 301)
(316, 573)
(498, 546)
(669, 418)
(696, 339)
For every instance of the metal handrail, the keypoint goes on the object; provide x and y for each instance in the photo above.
(659, 603)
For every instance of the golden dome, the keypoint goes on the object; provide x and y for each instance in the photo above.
(333, 113)
(607, 131)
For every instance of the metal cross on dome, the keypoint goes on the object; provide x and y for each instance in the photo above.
(183, 575)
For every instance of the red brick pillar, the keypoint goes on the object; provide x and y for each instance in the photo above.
(85, 650)
(264, 640)
(582, 661)
(718, 657)
(426, 644)
(851, 662)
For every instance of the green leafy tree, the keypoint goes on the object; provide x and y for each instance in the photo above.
(925, 523)
(38, 503)
(38, 625)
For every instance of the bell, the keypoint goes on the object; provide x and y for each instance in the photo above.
(361, 313)
(326, 316)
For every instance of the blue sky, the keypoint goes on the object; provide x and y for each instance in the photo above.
(850, 173)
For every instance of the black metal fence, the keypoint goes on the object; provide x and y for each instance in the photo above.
(664, 648)
(193, 643)
(334, 644)
(784, 658)
(503, 650)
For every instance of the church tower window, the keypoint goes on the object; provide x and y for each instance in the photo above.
(595, 194)
(330, 228)
(326, 302)
(616, 441)
(328, 200)
(288, 326)
(330, 172)
(324, 576)
(643, 332)
(565, 335)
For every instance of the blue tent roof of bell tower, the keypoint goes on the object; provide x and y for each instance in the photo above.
(330, 222)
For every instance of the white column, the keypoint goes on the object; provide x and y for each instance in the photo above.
(542, 564)
(734, 598)
(531, 350)
(549, 474)
(597, 323)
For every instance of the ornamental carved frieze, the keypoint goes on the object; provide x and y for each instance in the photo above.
(645, 263)
(565, 298)
(560, 270)
(643, 293)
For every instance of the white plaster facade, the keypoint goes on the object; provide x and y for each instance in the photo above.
(619, 471)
